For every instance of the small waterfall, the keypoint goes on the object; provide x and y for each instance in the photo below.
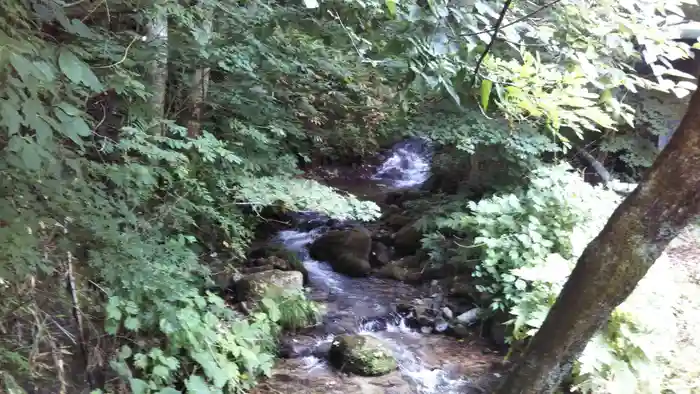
(408, 164)
(364, 301)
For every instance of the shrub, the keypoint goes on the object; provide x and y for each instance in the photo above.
(527, 242)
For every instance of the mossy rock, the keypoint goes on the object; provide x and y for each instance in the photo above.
(361, 355)
(255, 286)
(269, 254)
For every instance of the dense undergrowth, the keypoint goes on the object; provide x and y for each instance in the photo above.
(521, 246)
(140, 140)
(109, 205)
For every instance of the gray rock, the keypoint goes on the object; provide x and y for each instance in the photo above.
(447, 312)
(441, 325)
(469, 317)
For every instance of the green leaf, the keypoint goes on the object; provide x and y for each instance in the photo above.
(77, 71)
(138, 386)
(170, 362)
(44, 133)
(71, 66)
(311, 3)
(22, 66)
(141, 361)
(250, 359)
(10, 117)
(391, 7)
(124, 352)
(169, 390)
(132, 323)
(30, 156)
(161, 371)
(486, 87)
(196, 385)
(271, 308)
(451, 91)
(69, 109)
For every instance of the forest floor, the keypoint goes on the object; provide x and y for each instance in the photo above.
(684, 257)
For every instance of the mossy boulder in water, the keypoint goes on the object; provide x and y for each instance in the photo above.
(347, 251)
(361, 355)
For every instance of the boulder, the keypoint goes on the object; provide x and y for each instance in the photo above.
(255, 286)
(398, 198)
(380, 255)
(498, 329)
(404, 270)
(397, 221)
(277, 256)
(350, 265)
(463, 287)
(408, 239)
(361, 355)
(459, 331)
(347, 251)
(469, 317)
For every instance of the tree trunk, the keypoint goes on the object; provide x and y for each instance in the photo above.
(157, 36)
(607, 272)
(200, 78)
(200, 86)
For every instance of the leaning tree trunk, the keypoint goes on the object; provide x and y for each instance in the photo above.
(607, 272)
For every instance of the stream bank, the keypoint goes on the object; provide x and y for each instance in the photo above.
(434, 339)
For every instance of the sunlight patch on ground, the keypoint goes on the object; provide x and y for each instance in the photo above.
(683, 257)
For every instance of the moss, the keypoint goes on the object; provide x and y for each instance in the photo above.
(361, 355)
(280, 251)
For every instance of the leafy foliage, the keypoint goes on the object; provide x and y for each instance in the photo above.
(519, 229)
(139, 138)
(561, 63)
(523, 247)
(123, 190)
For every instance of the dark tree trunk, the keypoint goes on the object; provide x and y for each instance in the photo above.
(666, 201)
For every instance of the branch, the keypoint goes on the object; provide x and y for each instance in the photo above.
(493, 39)
(514, 22)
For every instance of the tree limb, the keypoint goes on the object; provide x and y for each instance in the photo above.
(493, 39)
(514, 22)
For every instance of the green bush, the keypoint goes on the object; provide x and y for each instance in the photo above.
(524, 246)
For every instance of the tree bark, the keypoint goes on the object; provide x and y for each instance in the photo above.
(665, 202)
(200, 78)
(157, 36)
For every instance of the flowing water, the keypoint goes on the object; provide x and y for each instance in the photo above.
(364, 305)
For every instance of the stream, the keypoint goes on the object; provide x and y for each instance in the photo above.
(428, 363)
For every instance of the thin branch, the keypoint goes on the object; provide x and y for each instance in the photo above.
(493, 39)
(514, 22)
